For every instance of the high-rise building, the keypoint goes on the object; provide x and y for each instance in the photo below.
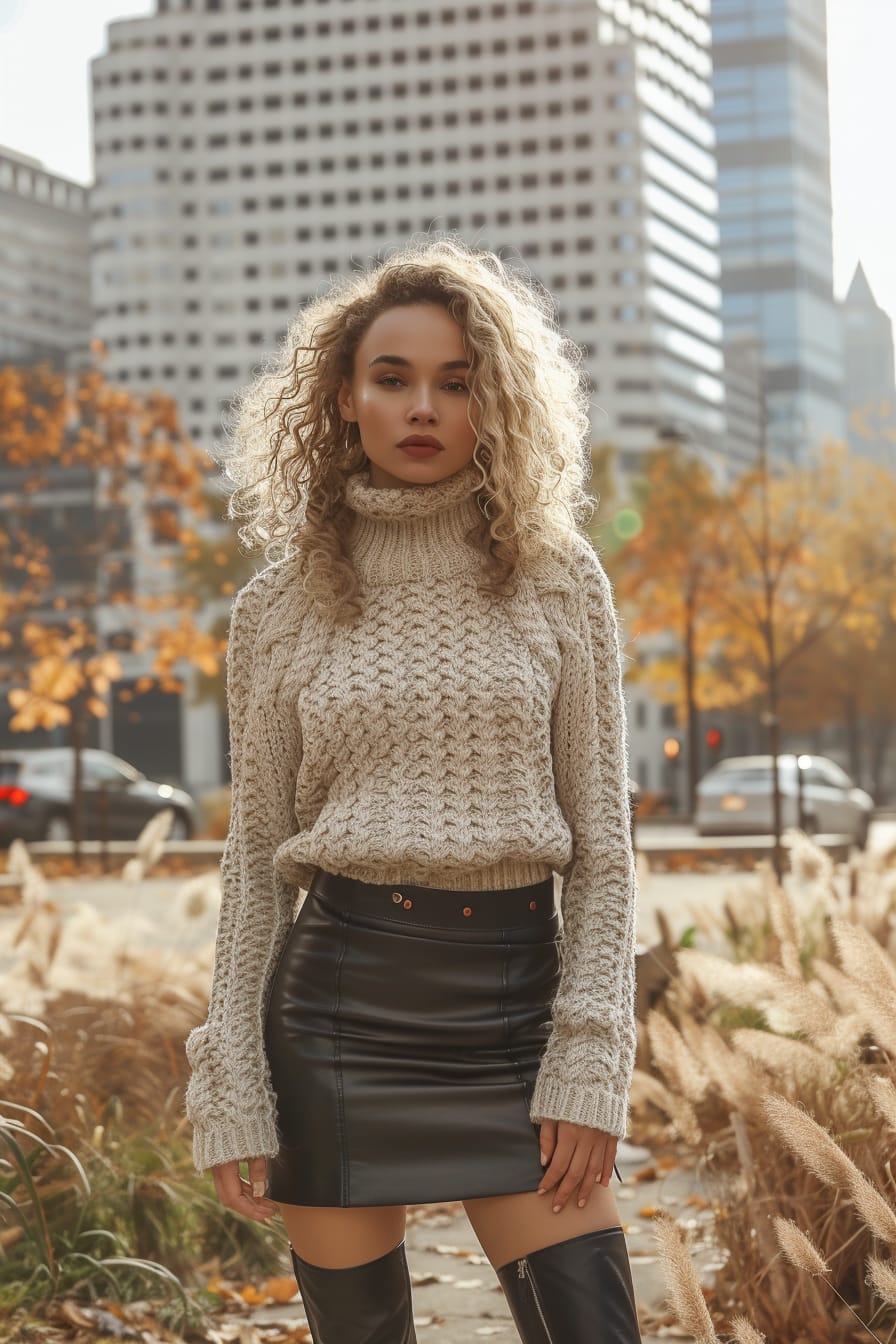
(247, 149)
(868, 363)
(44, 265)
(771, 121)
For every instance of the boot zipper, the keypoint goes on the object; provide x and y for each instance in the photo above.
(523, 1272)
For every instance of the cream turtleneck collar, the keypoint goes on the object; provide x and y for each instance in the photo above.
(413, 531)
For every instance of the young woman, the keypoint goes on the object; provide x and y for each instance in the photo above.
(427, 724)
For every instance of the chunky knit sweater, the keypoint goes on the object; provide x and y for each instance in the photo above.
(446, 738)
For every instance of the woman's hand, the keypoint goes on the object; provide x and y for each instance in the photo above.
(245, 1196)
(576, 1156)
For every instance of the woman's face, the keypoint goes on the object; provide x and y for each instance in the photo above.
(410, 380)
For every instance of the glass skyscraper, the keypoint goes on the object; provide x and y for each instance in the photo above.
(771, 120)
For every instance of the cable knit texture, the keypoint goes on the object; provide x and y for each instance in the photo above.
(448, 739)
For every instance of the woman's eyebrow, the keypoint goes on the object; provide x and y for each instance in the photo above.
(399, 359)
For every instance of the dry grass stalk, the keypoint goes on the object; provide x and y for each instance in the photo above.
(786, 927)
(745, 1333)
(743, 984)
(790, 1060)
(647, 1088)
(683, 1289)
(821, 1154)
(840, 988)
(862, 957)
(683, 1070)
(807, 1140)
(883, 1095)
(741, 1083)
(882, 1278)
(809, 864)
(799, 1248)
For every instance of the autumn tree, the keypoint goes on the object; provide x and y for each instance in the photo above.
(810, 565)
(664, 572)
(95, 480)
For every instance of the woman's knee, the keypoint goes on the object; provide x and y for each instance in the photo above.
(511, 1226)
(336, 1238)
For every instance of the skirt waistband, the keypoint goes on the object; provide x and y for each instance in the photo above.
(438, 906)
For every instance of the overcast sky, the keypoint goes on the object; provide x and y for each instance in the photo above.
(45, 47)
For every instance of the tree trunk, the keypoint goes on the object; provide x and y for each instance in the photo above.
(880, 746)
(853, 738)
(690, 678)
(79, 717)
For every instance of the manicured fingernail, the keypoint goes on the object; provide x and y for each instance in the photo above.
(543, 1158)
(557, 1208)
(542, 1192)
(581, 1203)
(258, 1189)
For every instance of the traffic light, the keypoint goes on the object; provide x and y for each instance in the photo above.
(714, 739)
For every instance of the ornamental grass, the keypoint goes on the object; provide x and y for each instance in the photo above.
(105, 1226)
(771, 1058)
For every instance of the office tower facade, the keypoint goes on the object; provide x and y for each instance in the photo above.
(44, 265)
(246, 150)
(868, 363)
(771, 121)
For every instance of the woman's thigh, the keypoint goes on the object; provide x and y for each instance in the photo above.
(337, 1238)
(510, 1226)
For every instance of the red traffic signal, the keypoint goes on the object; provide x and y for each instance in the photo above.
(714, 738)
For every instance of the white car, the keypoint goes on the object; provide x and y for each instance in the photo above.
(735, 798)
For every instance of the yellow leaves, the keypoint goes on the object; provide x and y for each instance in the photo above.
(35, 711)
(55, 679)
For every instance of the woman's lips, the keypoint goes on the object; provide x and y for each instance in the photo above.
(419, 449)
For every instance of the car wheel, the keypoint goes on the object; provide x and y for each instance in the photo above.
(58, 827)
(180, 828)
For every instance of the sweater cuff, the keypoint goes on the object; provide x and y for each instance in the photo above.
(247, 1136)
(595, 1107)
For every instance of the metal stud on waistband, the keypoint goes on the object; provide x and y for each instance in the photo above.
(408, 904)
(467, 910)
(396, 896)
(533, 905)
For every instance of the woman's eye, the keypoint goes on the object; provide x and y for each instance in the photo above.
(391, 378)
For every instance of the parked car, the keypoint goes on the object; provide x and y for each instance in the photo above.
(36, 797)
(735, 798)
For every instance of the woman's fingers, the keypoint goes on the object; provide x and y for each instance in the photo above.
(558, 1167)
(609, 1159)
(235, 1192)
(547, 1138)
(596, 1163)
(574, 1176)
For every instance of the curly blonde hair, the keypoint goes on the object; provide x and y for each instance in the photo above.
(290, 452)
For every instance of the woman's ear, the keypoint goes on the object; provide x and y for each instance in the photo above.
(346, 401)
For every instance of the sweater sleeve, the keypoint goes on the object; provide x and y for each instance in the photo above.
(229, 1099)
(586, 1069)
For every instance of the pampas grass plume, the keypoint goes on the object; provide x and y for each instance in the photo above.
(745, 1333)
(883, 1094)
(798, 1248)
(862, 956)
(882, 1278)
(682, 1285)
(807, 1140)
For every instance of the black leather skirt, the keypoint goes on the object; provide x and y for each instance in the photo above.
(404, 1030)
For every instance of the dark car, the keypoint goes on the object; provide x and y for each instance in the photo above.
(36, 797)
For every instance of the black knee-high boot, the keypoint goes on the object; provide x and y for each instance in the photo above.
(578, 1291)
(362, 1304)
